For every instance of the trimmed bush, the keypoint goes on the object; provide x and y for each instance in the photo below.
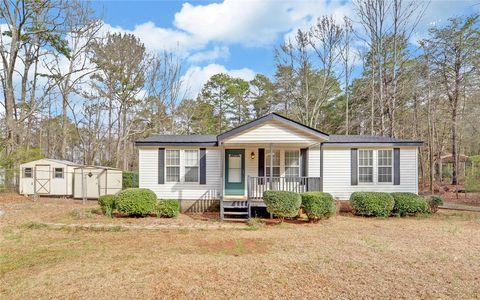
(408, 204)
(129, 180)
(282, 204)
(371, 204)
(434, 202)
(107, 204)
(167, 208)
(318, 205)
(136, 202)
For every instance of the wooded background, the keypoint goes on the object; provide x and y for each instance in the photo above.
(73, 91)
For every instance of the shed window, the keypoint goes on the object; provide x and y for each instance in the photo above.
(172, 163)
(276, 163)
(58, 173)
(384, 165)
(191, 165)
(27, 172)
(365, 166)
(292, 163)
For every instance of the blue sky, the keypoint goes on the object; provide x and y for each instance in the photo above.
(236, 36)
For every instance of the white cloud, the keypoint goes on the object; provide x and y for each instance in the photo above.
(210, 55)
(196, 77)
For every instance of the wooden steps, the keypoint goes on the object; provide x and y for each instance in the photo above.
(235, 210)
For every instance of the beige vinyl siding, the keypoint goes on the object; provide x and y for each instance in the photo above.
(273, 132)
(148, 166)
(336, 173)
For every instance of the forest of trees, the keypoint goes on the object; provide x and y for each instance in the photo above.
(72, 91)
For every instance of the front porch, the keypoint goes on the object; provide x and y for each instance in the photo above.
(270, 153)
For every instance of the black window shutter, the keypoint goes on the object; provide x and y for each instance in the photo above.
(203, 166)
(261, 162)
(396, 166)
(303, 162)
(161, 165)
(353, 166)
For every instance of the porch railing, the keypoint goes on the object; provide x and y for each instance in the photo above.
(257, 185)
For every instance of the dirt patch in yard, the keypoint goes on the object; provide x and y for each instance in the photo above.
(343, 257)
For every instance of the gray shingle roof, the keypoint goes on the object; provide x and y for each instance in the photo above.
(368, 139)
(178, 140)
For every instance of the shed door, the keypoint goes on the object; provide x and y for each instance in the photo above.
(42, 179)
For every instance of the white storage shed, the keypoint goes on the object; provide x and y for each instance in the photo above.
(91, 182)
(47, 176)
(53, 177)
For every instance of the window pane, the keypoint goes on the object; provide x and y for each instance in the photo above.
(292, 158)
(276, 172)
(191, 158)
(292, 171)
(365, 174)
(191, 174)
(384, 174)
(276, 157)
(173, 174)
(172, 157)
(27, 172)
(365, 157)
(58, 173)
(235, 168)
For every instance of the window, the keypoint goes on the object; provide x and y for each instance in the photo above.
(292, 163)
(27, 172)
(234, 168)
(276, 163)
(172, 163)
(384, 165)
(58, 173)
(191, 165)
(365, 166)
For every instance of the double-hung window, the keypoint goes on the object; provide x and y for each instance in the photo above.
(365, 166)
(384, 165)
(191, 165)
(172, 164)
(275, 165)
(292, 163)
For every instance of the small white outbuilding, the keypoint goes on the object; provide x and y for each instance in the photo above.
(54, 177)
(91, 182)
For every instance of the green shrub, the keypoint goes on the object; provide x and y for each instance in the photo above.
(136, 202)
(107, 204)
(434, 202)
(318, 205)
(373, 204)
(283, 204)
(167, 208)
(408, 204)
(129, 180)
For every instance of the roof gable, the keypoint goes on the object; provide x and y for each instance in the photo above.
(273, 118)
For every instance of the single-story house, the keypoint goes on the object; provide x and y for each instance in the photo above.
(272, 153)
(55, 177)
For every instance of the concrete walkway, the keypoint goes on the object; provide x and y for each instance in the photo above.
(460, 207)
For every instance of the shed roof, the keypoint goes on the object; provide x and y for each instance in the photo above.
(58, 161)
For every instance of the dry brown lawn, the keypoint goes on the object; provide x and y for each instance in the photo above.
(344, 257)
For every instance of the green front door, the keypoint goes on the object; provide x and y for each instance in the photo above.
(235, 172)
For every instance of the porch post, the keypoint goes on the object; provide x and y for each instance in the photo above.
(222, 190)
(271, 166)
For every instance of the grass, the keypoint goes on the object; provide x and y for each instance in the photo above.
(344, 257)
